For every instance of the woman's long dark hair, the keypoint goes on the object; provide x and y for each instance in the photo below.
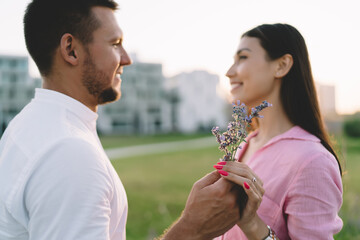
(298, 94)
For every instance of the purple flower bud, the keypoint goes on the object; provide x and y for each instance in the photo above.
(230, 140)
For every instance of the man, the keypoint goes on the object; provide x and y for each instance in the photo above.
(56, 180)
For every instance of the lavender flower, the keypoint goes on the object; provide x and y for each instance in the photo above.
(236, 133)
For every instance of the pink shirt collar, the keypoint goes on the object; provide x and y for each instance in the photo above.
(295, 132)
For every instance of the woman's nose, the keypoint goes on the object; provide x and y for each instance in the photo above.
(230, 73)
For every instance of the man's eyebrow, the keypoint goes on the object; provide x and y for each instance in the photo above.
(117, 39)
(242, 49)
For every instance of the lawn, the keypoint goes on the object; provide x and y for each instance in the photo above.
(350, 211)
(158, 185)
(131, 140)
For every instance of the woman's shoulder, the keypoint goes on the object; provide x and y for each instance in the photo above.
(299, 148)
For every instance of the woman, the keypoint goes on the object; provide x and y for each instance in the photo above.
(287, 167)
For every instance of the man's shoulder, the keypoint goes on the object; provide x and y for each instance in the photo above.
(38, 127)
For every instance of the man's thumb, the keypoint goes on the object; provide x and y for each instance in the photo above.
(207, 180)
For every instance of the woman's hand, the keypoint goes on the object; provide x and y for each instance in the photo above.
(242, 175)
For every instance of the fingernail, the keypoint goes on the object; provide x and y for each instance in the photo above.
(246, 185)
(218, 167)
(223, 173)
(221, 163)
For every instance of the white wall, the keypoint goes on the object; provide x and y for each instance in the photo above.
(199, 103)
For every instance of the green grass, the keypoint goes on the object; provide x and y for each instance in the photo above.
(158, 185)
(350, 211)
(131, 140)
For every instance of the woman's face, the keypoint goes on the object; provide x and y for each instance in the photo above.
(252, 74)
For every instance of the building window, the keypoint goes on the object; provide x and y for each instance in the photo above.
(23, 64)
(13, 78)
(153, 110)
(11, 93)
(13, 63)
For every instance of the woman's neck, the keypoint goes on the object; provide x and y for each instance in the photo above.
(274, 122)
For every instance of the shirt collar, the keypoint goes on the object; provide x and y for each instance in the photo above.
(72, 105)
(295, 132)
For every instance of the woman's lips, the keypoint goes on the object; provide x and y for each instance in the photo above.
(236, 85)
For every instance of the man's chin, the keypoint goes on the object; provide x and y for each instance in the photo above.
(109, 95)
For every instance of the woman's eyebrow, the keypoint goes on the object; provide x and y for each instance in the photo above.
(242, 49)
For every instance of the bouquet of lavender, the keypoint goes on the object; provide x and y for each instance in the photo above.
(236, 131)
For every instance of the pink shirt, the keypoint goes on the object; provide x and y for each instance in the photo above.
(303, 189)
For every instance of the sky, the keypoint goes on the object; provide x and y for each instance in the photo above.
(187, 35)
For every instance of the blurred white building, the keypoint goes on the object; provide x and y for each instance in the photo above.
(327, 102)
(143, 107)
(326, 95)
(16, 87)
(150, 104)
(196, 105)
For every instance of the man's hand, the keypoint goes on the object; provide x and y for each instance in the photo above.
(210, 210)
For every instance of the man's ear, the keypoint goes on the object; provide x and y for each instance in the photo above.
(69, 49)
(284, 65)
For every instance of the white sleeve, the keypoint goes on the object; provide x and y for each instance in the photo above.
(68, 195)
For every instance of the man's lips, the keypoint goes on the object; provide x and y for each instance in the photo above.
(118, 73)
(119, 70)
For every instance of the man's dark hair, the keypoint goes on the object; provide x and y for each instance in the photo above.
(46, 21)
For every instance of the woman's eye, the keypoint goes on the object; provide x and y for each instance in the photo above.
(116, 45)
(242, 57)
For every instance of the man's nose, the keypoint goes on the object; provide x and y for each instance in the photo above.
(125, 58)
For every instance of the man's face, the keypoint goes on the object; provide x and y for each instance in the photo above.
(105, 58)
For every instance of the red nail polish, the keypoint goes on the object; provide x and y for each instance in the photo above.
(218, 167)
(223, 173)
(246, 185)
(221, 163)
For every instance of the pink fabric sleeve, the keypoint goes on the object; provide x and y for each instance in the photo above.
(314, 199)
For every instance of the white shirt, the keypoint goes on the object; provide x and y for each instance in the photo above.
(56, 181)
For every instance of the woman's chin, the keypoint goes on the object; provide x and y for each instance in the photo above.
(238, 98)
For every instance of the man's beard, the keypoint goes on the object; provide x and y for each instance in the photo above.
(96, 82)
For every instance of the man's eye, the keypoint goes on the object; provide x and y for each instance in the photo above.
(242, 57)
(116, 45)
